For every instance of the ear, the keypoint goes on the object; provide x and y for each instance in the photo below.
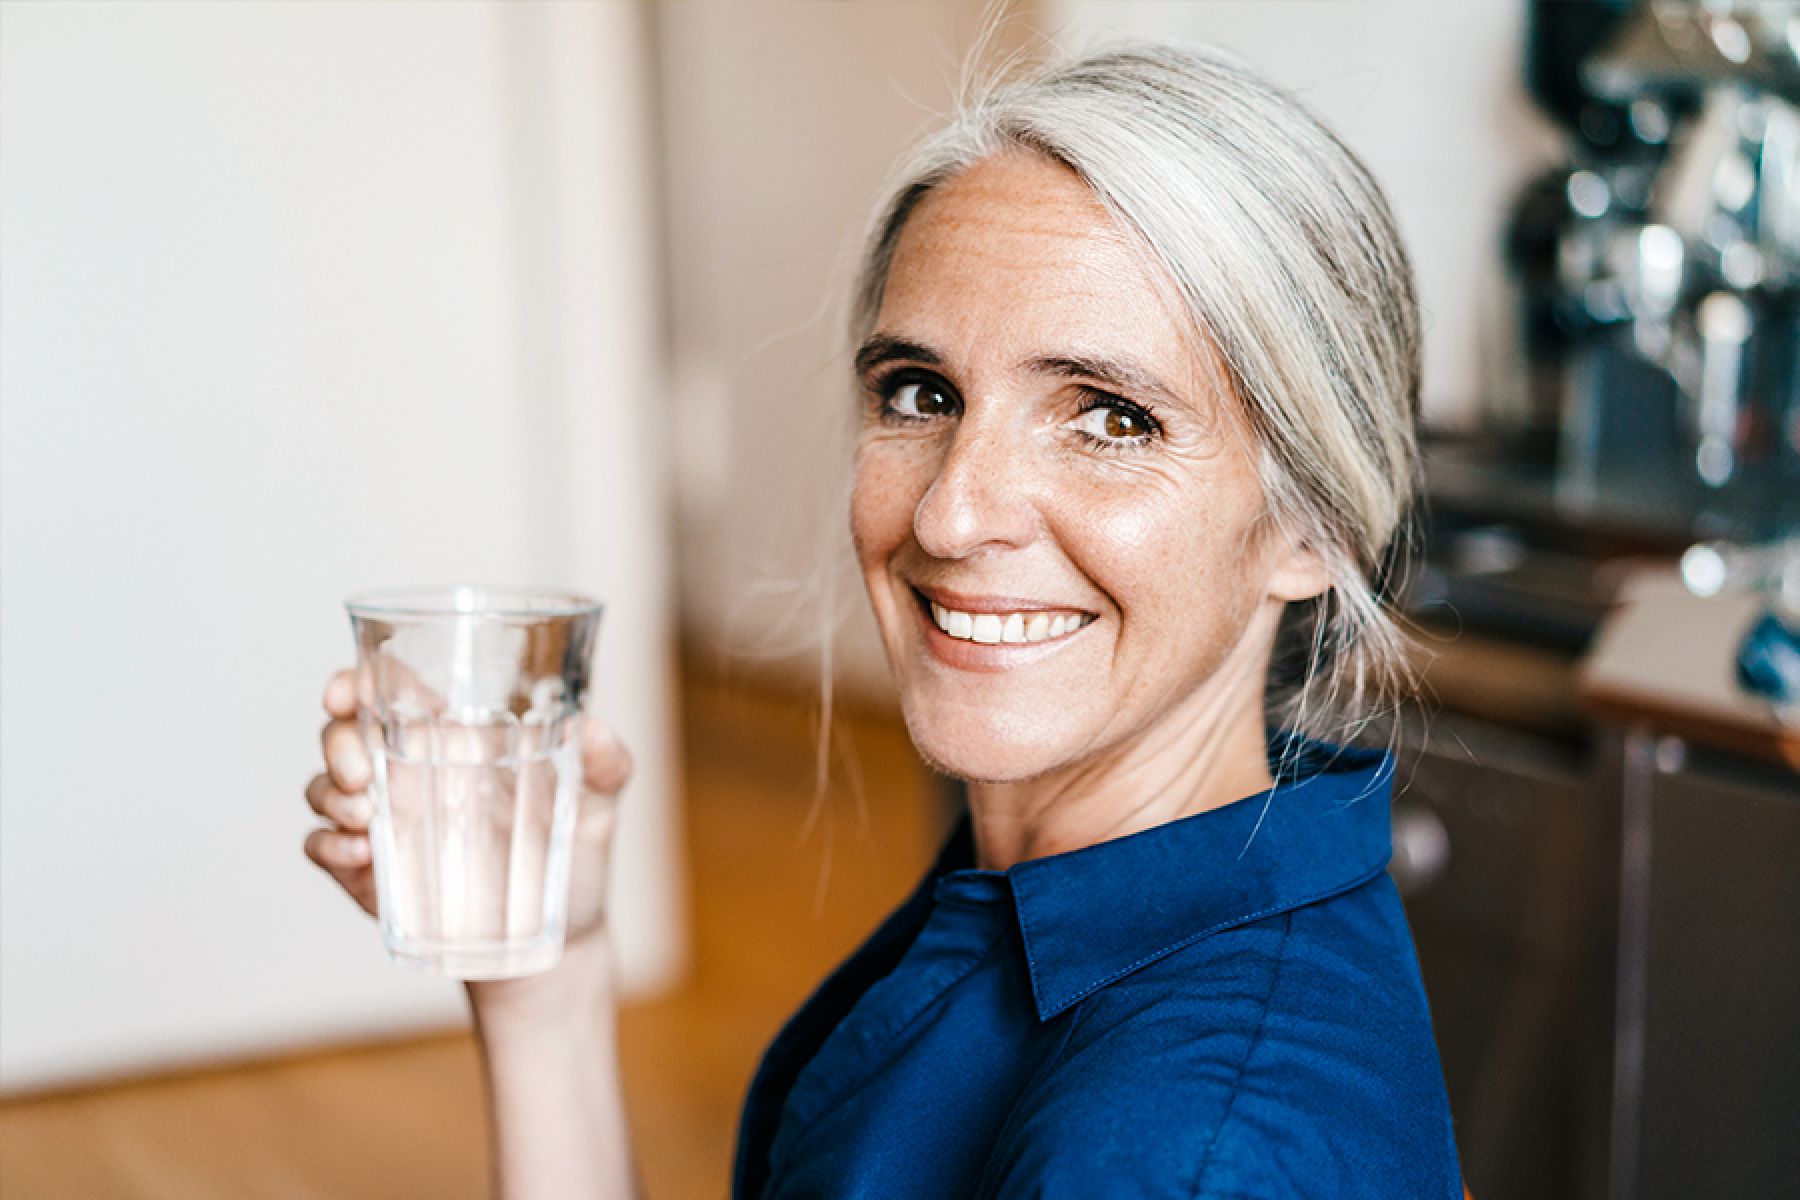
(1296, 571)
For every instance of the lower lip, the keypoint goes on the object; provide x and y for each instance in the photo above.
(983, 656)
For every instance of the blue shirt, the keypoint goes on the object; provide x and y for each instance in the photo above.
(1226, 1005)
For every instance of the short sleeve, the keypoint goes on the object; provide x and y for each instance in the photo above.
(1289, 1074)
(1145, 1082)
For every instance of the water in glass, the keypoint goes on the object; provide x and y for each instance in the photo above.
(474, 816)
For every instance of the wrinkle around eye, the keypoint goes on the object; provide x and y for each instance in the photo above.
(899, 433)
(1145, 469)
(1176, 464)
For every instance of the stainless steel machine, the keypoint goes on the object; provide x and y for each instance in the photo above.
(1608, 913)
(1659, 267)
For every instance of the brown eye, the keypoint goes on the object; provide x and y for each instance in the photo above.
(921, 400)
(1123, 425)
(1116, 424)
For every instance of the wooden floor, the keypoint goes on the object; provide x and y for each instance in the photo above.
(776, 904)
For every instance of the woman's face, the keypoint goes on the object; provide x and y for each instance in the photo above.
(1053, 511)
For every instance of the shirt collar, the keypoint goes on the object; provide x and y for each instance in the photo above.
(1091, 916)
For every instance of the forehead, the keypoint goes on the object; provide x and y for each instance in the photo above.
(1018, 255)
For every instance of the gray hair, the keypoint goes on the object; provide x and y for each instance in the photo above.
(1279, 245)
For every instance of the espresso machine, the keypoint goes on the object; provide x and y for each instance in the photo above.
(1658, 268)
(1645, 397)
(1615, 1008)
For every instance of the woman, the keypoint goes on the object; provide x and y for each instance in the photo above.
(1139, 373)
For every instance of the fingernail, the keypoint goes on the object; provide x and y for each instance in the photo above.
(358, 809)
(354, 768)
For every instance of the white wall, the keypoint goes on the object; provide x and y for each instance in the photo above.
(296, 300)
(1430, 94)
(781, 118)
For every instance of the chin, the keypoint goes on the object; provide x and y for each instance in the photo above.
(981, 754)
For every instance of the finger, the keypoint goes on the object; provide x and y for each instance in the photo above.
(398, 684)
(345, 757)
(605, 763)
(358, 881)
(595, 816)
(336, 850)
(349, 811)
(340, 694)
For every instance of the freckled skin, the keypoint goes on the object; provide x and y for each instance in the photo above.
(1153, 711)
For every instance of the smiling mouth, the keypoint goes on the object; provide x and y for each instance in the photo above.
(997, 628)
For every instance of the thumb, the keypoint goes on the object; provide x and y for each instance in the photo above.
(605, 763)
(596, 813)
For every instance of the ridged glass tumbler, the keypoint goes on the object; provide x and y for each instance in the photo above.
(470, 704)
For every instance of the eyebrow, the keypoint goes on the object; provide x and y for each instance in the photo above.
(1119, 373)
(885, 348)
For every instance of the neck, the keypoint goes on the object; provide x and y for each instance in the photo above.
(1209, 751)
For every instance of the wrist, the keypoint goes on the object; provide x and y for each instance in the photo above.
(549, 1054)
(579, 986)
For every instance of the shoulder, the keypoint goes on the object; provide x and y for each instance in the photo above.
(1288, 1056)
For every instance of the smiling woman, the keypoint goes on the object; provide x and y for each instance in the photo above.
(1139, 375)
(1023, 460)
(1278, 267)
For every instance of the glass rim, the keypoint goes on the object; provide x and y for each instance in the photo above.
(471, 599)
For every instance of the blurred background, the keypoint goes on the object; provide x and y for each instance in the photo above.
(298, 300)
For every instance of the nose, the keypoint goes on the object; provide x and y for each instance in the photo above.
(981, 497)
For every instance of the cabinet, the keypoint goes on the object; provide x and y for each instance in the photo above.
(1706, 1045)
(1610, 939)
(1496, 836)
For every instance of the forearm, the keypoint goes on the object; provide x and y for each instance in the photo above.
(549, 1050)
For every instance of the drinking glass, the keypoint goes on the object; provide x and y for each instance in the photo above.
(470, 702)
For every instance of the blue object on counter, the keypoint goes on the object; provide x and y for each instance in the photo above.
(1768, 661)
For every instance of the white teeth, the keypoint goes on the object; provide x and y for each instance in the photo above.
(991, 628)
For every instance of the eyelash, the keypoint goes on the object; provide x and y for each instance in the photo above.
(883, 388)
(1092, 399)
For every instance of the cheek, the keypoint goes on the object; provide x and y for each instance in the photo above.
(1168, 559)
(882, 502)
